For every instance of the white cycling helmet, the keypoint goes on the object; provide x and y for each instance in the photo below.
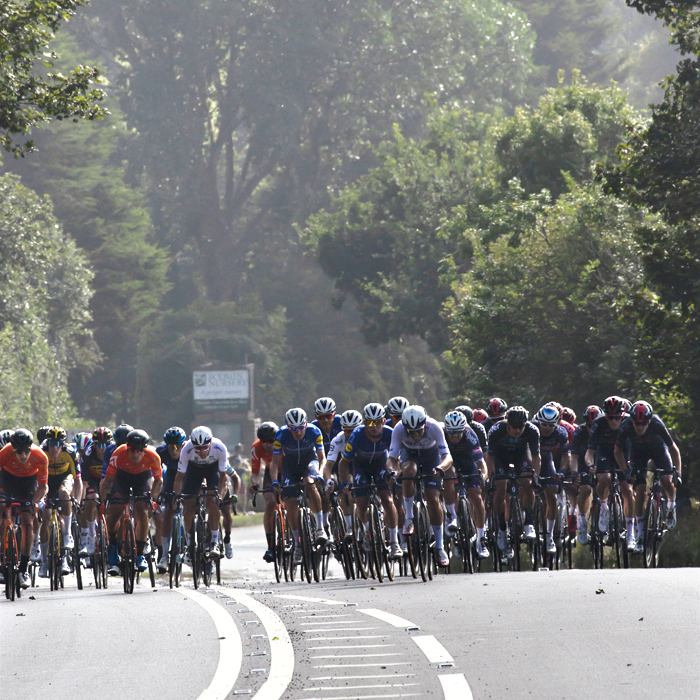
(455, 420)
(82, 440)
(324, 405)
(350, 419)
(414, 417)
(548, 415)
(5, 436)
(397, 405)
(295, 417)
(201, 436)
(373, 411)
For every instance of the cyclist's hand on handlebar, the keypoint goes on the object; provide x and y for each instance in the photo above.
(275, 486)
(440, 472)
(330, 486)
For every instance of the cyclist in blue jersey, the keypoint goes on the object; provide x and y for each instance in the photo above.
(348, 421)
(169, 453)
(298, 455)
(329, 424)
(646, 439)
(418, 443)
(394, 410)
(367, 449)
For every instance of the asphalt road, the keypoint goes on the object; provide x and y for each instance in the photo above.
(570, 634)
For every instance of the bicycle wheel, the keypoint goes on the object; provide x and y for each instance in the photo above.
(278, 546)
(515, 528)
(149, 559)
(559, 534)
(102, 542)
(54, 557)
(617, 527)
(536, 548)
(596, 536)
(129, 556)
(651, 523)
(492, 530)
(195, 550)
(421, 539)
(463, 537)
(75, 554)
(10, 562)
(206, 564)
(288, 547)
(361, 559)
(340, 546)
(306, 546)
(377, 543)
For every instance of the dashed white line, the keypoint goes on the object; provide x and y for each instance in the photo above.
(393, 620)
(327, 622)
(455, 687)
(434, 651)
(367, 697)
(363, 687)
(355, 656)
(325, 601)
(379, 665)
(328, 647)
(230, 648)
(357, 678)
(358, 636)
(344, 629)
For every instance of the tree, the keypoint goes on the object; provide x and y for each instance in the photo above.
(28, 98)
(44, 314)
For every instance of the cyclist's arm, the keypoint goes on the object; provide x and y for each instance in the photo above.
(391, 462)
(565, 461)
(675, 456)
(177, 484)
(156, 488)
(490, 465)
(41, 491)
(481, 465)
(223, 484)
(446, 462)
(344, 470)
(77, 488)
(573, 462)
(106, 486)
(537, 464)
(589, 459)
(321, 462)
(275, 466)
(620, 458)
(328, 469)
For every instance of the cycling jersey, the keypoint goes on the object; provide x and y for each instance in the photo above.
(38, 463)
(557, 440)
(490, 422)
(579, 443)
(466, 453)
(298, 451)
(337, 447)
(327, 437)
(120, 462)
(510, 448)
(602, 438)
(653, 444)
(433, 440)
(108, 455)
(258, 455)
(217, 455)
(91, 464)
(481, 433)
(368, 459)
(66, 464)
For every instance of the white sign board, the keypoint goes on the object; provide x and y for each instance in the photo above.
(231, 387)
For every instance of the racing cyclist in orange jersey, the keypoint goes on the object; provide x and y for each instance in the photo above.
(24, 475)
(134, 466)
(261, 454)
(91, 471)
(63, 466)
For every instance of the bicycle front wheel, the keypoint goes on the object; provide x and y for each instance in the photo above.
(54, 557)
(651, 524)
(75, 554)
(129, 556)
(10, 563)
(422, 540)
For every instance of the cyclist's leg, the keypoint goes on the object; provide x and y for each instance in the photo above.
(409, 468)
(449, 495)
(191, 486)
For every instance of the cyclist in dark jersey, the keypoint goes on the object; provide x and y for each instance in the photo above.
(513, 441)
(646, 439)
(497, 412)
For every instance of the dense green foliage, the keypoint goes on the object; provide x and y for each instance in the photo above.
(44, 295)
(27, 95)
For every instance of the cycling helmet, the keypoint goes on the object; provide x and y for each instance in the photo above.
(102, 436)
(613, 407)
(591, 413)
(480, 415)
(137, 440)
(548, 415)
(373, 411)
(496, 407)
(468, 413)
(295, 417)
(568, 415)
(175, 436)
(57, 434)
(121, 432)
(350, 419)
(397, 406)
(21, 440)
(41, 433)
(414, 418)
(626, 405)
(556, 405)
(324, 406)
(516, 416)
(5, 436)
(83, 441)
(267, 431)
(201, 436)
(641, 412)
(455, 420)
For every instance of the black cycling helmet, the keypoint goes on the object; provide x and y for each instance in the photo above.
(137, 440)
(41, 433)
(516, 416)
(21, 440)
(267, 431)
(121, 432)
(102, 436)
(467, 411)
(175, 436)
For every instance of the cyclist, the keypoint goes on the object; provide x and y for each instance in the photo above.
(468, 460)
(233, 488)
(645, 438)
(568, 415)
(329, 424)
(91, 470)
(552, 436)
(41, 434)
(600, 458)
(579, 445)
(348, 421)
(261, 453)
(515, 441)
(120, 433)
(298, 455)
(64, 481)
(477, 427)
(480, 415)
(496, 410)
(395, 408)
(133, 466)
(367, 450)
(24, 473)
(418, 443)
(169, 452)
(203, 458)
(5, 436)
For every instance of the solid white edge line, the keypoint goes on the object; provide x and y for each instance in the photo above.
(281, 649)
(455, 687)
(434, 651)
(230, 648)
(393, 620)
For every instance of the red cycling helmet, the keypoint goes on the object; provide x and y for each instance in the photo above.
(613, 406)
(641, 412)
(480, 415)
(591, 413)
(497, 407)
(568, 415)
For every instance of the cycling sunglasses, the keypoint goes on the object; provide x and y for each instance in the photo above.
(299, 427)
(374, 423)
(459, 431)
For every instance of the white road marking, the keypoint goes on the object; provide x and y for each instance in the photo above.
(281, 649)
(327, 622)
(230, 648)
(367, 697)
(354, 678)
(362, 687)
(348, 646)
(455, 687)
(325, 601)
(379, 665)
(359, 636)
(344, 629)
(393, 620)
(317, 616)
(355, 656)
(430, 646)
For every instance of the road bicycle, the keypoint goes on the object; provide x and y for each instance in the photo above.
(200, 539)
(178, 540)
(420, 543)
(282, 540)
(127, 544)
(310, 549)
(466, 536)
(342, 549)
(655, 513)
(97, 561)
(56, 549)
(12, 541)
(616, 535)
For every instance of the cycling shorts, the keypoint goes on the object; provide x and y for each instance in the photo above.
(124, 484)
(659, 455)
(426, 461)
(473, 481)
(606, 465)
(548, 471)
(363, 473)
(56, 481)
(196, 476)
(523, 466)
(18, 489)
(293, 473)
(91, 483)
